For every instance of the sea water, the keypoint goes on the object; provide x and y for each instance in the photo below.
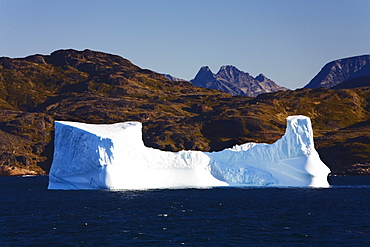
(31, 215)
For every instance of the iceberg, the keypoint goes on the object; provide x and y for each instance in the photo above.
(113, 156)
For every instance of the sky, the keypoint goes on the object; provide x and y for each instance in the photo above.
(289, 41)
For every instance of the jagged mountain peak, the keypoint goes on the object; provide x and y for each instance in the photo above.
(204, 75)
(205, 68)
(261, 77)
(230, 71)
(234, 81)
(229, 67)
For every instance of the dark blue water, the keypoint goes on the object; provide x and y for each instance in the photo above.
(31, 215)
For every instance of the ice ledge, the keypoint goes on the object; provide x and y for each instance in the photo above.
(113, 156)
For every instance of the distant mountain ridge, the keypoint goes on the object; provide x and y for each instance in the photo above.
(172, 78)
(338, 71)
(234, 81)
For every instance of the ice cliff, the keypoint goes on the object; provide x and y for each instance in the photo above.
(89, 156)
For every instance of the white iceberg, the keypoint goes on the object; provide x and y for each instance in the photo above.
(113, 156)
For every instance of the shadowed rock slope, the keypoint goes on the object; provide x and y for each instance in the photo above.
(95, 87)
(341, 70)
(363, 81)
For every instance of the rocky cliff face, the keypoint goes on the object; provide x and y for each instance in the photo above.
(236, 82)
(338, 71)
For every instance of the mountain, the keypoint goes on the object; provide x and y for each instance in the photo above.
(95, 87)
(234, 81)
(338, 71)
(363, 81)
(172, 78)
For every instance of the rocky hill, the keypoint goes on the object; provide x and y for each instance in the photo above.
(341, 70)
(234, 81)
(96, 87)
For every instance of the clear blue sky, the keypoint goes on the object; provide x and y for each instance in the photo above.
(286, 40)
